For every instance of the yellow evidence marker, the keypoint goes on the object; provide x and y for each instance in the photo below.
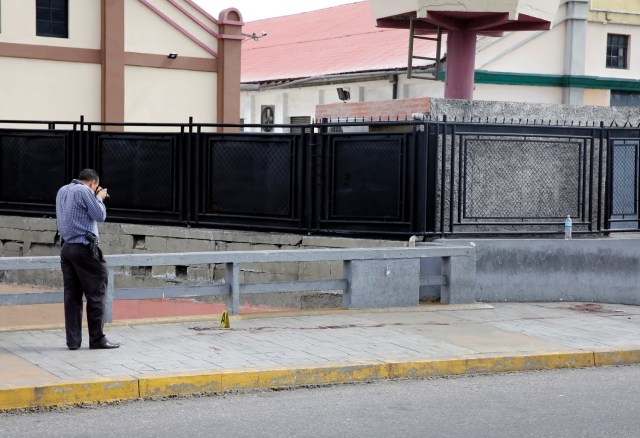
(224, 322)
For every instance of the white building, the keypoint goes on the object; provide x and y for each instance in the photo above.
(587, 58)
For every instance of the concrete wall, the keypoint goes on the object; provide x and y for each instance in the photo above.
(533, 111)
(36, 237)
(605, 270)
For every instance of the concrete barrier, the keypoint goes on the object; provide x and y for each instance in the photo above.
(374, 277)
(604, 270)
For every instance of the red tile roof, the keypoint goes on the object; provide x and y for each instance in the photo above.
(341, 39)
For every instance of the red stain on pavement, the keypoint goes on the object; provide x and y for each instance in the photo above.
(157, 308)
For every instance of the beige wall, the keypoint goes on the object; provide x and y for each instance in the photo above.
(597, 44)
(524, 52)
(516, 93)
(146, 32)
(615, 11)
(19, 24)
(163, 95)
(126, 77)
(594, 97)
(49, 90)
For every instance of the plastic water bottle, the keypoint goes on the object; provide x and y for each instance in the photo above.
(568, 228)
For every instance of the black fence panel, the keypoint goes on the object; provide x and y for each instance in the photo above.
(624, 180)
(141, 172)
(249, 180)
(366, 182)
(33, 166)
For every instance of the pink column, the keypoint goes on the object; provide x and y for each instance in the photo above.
(461, 59)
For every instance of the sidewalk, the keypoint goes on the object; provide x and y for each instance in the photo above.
(311, 348)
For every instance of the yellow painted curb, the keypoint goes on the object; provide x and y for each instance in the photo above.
(486, 365)
(180, 384)
(191, 383)
(165, 384)
(625, 357)
(101, 390)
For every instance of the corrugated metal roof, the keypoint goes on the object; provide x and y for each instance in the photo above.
(341, 39)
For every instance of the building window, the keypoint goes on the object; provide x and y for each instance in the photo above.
(617, 49)
(624, 98)
(301, 120)
(52, 18)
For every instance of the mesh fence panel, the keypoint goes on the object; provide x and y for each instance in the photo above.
(31, 167)
(624, 178)
(367, 178)
(521, 179)
(139, 172)
(251, 177)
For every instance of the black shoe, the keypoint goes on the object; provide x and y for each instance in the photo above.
(73, 347)
(104, 344)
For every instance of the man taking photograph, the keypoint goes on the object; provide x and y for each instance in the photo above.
(79, 208)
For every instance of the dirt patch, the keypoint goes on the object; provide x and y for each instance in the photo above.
(597, 308)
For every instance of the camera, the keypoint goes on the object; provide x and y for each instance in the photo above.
(99, 189)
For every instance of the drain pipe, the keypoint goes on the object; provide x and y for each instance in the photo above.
(394, 80)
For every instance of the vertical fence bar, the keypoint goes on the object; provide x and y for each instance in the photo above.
(300, 175)
(83, 149)
(452, 178)
(232, 278)
(188, 195)
(443, 165)
(308, 150)
(582, 179)
(420, 157)
(108, 305)
(431, 169)
(326, 174)
(317, 177)
(600, 178)
(408, 213)
(461, 176)
(608, 188)
(591, 170)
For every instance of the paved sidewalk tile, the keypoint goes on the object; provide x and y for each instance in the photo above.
(403, 335)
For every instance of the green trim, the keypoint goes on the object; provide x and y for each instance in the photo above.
(563, 81)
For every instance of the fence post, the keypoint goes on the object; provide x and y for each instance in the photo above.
(108, 305)
(232, 278)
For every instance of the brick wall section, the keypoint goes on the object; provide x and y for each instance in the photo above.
(399, 108)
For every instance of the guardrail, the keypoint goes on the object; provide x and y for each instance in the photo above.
(373, 277)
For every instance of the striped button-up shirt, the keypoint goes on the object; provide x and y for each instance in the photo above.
(78, 211)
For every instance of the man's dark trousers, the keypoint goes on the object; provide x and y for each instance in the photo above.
(83, 271)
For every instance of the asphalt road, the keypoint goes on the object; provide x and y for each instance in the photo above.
(595, 402)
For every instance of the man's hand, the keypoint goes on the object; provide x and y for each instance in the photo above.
(102, 193)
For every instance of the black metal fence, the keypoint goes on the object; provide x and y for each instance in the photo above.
(431, 178)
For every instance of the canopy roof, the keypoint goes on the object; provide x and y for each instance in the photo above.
(490, 17)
